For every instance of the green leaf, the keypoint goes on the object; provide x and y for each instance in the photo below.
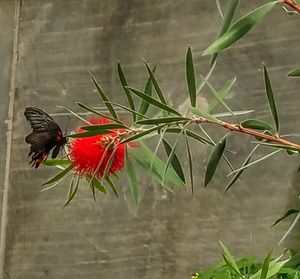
(271, 99)
(75, 114)
(59, 176)
(190, 77)
(222, 93)
(233, 113)
(95, 183)
(229, 14)
(112, 186)
(89, 134)
(130, 110)
(87, 108)
(142, 134)
(109, 161)
(214, 160)
(57, 162)
(103, 127)
(256, 124)
(124, 83)
(217, 97)
(190, 161)
(240, 28)
(154, 121)
(239, 173)
(153, 101)
(156, 85)
(265, 267)
(279, 146)
(256, 161)
(290, 212)
(273, 269)
(143, 155)
(294, 73)
(72, 191)
(230, 260)
(203, 114)
(131, 177)
(174, 160)
(105, 98)
(190, 134)
(144, 106)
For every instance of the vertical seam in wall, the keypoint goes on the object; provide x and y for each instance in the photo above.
(9, 137)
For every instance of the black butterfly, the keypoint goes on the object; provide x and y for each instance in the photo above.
(45, 136)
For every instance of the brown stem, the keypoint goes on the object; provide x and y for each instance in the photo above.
(261, 135)
(292, 4)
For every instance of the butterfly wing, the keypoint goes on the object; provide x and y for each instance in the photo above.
(45, 136)
(41, 121)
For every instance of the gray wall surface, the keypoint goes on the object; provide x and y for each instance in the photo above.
(169, 235)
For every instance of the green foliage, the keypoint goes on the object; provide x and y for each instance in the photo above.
(239, 28)
(249, 267)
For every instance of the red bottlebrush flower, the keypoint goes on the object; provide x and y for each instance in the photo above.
(86, 153)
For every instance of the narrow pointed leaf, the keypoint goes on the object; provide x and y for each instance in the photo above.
(240, 28)
(154, 121)
(228, 17)
(190, 161)
(271, 99)
(214, 161)
(190, 77)
(112, 186)
(104, 98)
(230, 260)
(273, 269)
(153, 101)
(131, 177)
(109, 162)
(203, 114)
(103, 127)
(217, 97)
(139, 115)
(144, 158)
(190, 134)
(96, 184)
(59, 176)
(57, 162)
(124, 83)
(72, 191)
(75, 114)
(222, 93)
(290, 212)
(233, 113)
(239, 173)
(174, 160)
(89, 134)
(144, 106)
(256, 124)
(256, 161)
(279, 146)
(265, 267)
(156, 85)
(92, 110)
(294, 73)
(142, 134)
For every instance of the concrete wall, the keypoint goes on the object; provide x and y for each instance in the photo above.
(167, 235)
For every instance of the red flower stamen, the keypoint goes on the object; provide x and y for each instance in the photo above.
(86, 153)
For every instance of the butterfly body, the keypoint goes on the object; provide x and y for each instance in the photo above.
(46, 135)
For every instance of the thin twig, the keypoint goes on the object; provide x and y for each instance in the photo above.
(292, 4)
